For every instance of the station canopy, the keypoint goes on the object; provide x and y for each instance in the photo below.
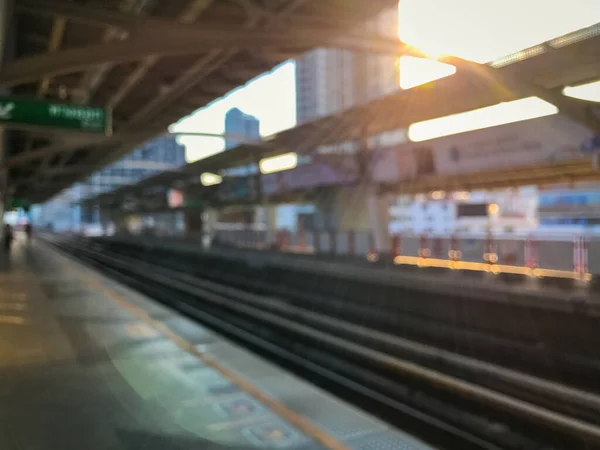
(543, 72)
(109, 56)
(88, 81)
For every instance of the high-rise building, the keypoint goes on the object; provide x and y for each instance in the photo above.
(240, 128)
(330, 80)
(64, 212)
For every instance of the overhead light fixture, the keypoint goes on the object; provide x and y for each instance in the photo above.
(437, 195)
(210, 179)
(461, 195)
(588, 91)
(490, 116)
(286, 161)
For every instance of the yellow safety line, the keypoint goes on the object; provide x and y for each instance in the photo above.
(486, 267)
(292, 417)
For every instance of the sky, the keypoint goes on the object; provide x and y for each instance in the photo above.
(478, 30)
(485, 30)
(270, 97)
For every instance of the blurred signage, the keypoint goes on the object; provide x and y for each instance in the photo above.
(472, 210)
(237, 188)
(130, 203)
(584, 210)
(153, 202)
(191, 202)
(324, 170)
(17, 203)
(175, 198)
(35, 112)
(538, 141)
(590, 145)
(237, 215)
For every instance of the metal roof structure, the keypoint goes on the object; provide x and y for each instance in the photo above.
(540, 71)
(151, 62)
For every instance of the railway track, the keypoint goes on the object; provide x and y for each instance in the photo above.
(558, 345)
(449, 398)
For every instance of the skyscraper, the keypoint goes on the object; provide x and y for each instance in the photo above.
(330, 80)
(240, 128)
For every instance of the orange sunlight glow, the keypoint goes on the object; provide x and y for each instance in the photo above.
(416, 71)
(484, 31)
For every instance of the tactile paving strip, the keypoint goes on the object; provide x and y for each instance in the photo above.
(239, 407)
(384, 441)
(274, 434)
(342, 423)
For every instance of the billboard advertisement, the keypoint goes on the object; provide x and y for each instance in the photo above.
(323, 170)
(237, 188)
(538, 141)
(154, 202)
(175, 198)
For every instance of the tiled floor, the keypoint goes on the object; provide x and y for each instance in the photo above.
(86, 363)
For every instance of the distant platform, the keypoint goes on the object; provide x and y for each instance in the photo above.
(559, 294)
(86, 363)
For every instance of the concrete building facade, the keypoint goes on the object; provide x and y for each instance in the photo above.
(331, 80)
(64, 212)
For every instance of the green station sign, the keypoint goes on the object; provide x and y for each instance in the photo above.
(17, 203)
(41, 113)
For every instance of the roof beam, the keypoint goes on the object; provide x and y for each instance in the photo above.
(52, 149)
(575, 110)
(94, 78)
(188, 42)
(193, 10)
(81, 13)
(215, 59)
(151, 26)
(192, 76)
(56, 37)
(102, 17)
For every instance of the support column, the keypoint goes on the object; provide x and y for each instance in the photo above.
(209, 219)
(5, 13)
(378, 207)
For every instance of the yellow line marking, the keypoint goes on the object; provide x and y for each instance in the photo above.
(13, 306)
(140, 330)
(12, 320)
(293, 418)
(486, 267)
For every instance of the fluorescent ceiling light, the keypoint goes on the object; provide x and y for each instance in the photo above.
(461, 195)
(483, 31)
(491, 116)
(210, 179)
(589, 91)
(286, 161)
(438, 195)
(416, 71)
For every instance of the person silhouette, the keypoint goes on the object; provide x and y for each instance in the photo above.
(7, 237)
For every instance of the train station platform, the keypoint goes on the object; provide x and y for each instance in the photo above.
(88, 363)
